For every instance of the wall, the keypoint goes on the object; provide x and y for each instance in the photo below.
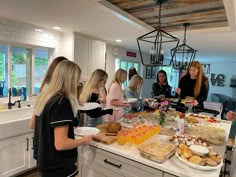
(227, 68)
(68, 45)
(16, 32)
(114, 52)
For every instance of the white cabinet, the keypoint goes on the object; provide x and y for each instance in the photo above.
(32, 161)
(89, 54)
(95, 162)
(15, 155)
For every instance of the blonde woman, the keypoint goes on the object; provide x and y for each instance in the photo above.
(92, 93)
(115, 96)
(55, 147)
(47, 79)
(133, 91)
(194, 84)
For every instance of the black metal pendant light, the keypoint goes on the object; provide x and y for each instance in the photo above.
(183, 55)
(156, 41)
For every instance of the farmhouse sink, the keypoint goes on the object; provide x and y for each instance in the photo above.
(15, 122)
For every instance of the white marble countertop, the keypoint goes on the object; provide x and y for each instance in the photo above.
(172, 165)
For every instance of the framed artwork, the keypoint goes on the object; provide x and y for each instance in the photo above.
(206, 68)
(154, 71)
(148, 72)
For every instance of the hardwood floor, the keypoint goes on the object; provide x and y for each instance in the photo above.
(31, 173)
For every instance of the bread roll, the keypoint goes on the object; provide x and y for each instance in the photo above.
(195, 159)
(113, 127)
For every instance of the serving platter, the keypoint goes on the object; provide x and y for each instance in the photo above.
(199, 167)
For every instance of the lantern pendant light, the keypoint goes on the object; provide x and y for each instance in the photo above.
(183, 55)
(156, 42)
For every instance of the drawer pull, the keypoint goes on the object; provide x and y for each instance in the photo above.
(110, 163)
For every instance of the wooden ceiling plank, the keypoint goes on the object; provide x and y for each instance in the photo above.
(185, 15)
(171, 7)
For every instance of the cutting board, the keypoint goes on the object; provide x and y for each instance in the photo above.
(102, 137)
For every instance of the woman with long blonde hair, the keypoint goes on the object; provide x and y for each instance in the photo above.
(92, 93)
(55, 147)
(115, 96)
(194, 84)
(133, 91)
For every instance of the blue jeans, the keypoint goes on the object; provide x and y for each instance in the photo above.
(92, 122)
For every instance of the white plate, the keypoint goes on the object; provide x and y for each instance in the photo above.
(131, 100)
(82, 131)
(199, 167)
(88, 106)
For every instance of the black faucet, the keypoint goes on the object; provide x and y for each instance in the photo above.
(18, 101)
(10, 104)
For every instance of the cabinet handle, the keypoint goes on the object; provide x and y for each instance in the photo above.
(27, 144)
(110, 163)
(32, 143)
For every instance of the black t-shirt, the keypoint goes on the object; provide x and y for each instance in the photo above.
(57, 112)
(158, 89)
(187, 85)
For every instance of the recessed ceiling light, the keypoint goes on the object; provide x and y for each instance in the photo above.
(118, 40)
(57, 27)
(38, 30)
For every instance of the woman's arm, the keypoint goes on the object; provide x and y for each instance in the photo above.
(32, 122)
(62, 142)
(119, 103)
(102, 95)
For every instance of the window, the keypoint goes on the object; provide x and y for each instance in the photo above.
(3, 70)
(18, 75)
(125, 64)
(40, 67)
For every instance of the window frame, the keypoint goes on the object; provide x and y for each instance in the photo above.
(51, 52)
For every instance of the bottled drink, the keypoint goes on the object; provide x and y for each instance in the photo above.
(180, 127)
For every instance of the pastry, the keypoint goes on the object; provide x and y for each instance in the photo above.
(195, 159)
(183, 157)
(211, 162)
(182, 146)
(187, 153)
(179, 151)
(113, 127)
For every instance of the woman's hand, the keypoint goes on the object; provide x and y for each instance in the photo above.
(87, 139)
(178, 90)
(195, 102)
(231, 116)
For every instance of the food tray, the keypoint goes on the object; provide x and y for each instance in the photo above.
(199, 167)
(157, 150)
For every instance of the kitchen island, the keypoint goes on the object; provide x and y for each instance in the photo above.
(98, 160)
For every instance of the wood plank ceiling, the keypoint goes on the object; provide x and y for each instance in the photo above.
(200, 14)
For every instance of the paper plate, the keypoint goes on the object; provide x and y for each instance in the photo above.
(199, 167)
(88, 106)
(82, 131)
(131, 100)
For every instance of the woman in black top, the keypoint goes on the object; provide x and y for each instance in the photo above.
(55, 147)
(161, 87)
(92, 92)
(194, 84)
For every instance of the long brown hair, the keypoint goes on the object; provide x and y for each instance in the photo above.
(50, 70)
(201, 78)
